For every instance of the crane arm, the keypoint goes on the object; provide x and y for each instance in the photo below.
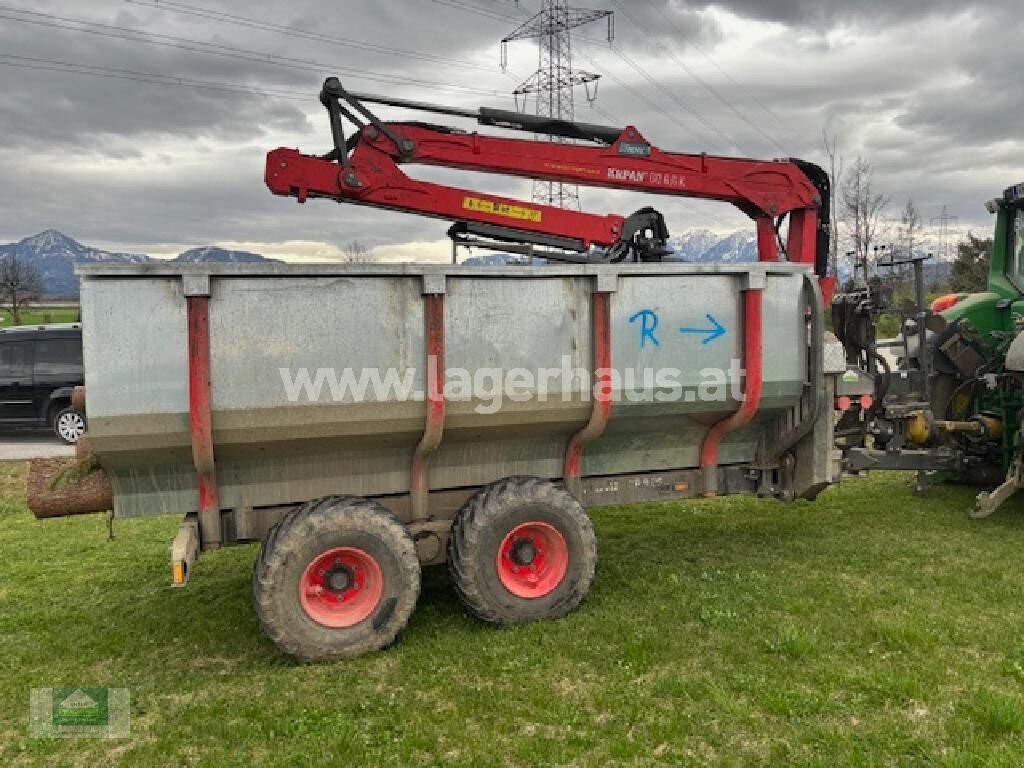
(364, 168)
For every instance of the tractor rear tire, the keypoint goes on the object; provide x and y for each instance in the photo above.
(521, 550)
(336, 578)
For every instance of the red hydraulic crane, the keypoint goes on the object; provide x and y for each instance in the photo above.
(365, 168)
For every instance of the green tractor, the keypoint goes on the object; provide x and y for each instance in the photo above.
(950, 407)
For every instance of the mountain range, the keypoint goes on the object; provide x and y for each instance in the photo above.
(54, 256)
(702, 246)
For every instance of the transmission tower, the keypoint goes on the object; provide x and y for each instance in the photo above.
(944, 222)
(555, 80)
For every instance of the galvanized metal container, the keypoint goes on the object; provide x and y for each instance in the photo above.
(265, 318)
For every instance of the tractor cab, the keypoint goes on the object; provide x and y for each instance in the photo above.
(996, 309)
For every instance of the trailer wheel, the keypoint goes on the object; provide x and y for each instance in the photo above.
(336, 578)
(520, 550)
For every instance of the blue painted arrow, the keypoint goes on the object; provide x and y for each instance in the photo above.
(710, 333)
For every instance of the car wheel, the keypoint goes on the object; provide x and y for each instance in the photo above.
(69, 425)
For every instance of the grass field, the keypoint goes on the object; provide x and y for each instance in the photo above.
(40, 316)
(869, 628)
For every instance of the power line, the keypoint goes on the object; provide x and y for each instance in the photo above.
(693, 75)
(753, 97)
(79, 68)
(636, 67)
(475, 9)
(944, 222)
(683, 204)
(640, 70)
(213, 49)
(555, 80)
(266, 26)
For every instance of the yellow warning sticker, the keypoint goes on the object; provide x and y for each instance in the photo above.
(501, 209)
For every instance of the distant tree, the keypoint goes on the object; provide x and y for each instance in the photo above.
(970, 270)
(910, 228)
(355, 252)
(21, 284)
(861, 207)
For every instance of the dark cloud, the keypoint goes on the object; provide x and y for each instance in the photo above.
(914, 86)
(825, 13)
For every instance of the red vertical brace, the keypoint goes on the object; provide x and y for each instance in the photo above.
(419, 483)
(803, 240)
(200, 418)
(602, 408)
(802, 246)
(767, 240)
(753, 359)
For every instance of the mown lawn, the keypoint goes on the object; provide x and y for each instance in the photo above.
(870, 628)
(41, 316)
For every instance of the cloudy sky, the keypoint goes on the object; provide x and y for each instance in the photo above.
(142, 125)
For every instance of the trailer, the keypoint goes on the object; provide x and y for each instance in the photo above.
(351, 493)
(363, 421)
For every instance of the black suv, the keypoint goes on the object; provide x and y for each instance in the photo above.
(39, 366)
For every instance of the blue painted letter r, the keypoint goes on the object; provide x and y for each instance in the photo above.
(648, 324)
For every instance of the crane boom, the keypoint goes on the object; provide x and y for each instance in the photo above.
(365, 168)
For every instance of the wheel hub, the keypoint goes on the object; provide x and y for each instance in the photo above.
(338, 579)
(341, 587)
(70, 426)
(533, 559)
(523, 552)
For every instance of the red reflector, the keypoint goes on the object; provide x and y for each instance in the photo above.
(943, 303)
(866, 401)
(843, 403)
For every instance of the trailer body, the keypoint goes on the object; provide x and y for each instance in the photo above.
(269, 324)
(202, 399)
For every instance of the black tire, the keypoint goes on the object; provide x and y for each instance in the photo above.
(306, 533)
(68, 424)
(477, 535)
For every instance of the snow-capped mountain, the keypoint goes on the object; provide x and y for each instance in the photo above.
(697, 246)
(497, 260)
(52, 244)
(55, 254)
(700, 246)
(212, 253)
(692, 245)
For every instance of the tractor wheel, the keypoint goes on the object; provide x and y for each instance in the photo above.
(522, 549)
(336, 578)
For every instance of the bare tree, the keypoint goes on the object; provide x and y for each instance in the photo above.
(861, 208)
(355, 252)
(20, 285)
(835, 162)
(910, 228)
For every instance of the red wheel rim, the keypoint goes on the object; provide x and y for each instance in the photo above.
(341, 587)
(532, 560)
